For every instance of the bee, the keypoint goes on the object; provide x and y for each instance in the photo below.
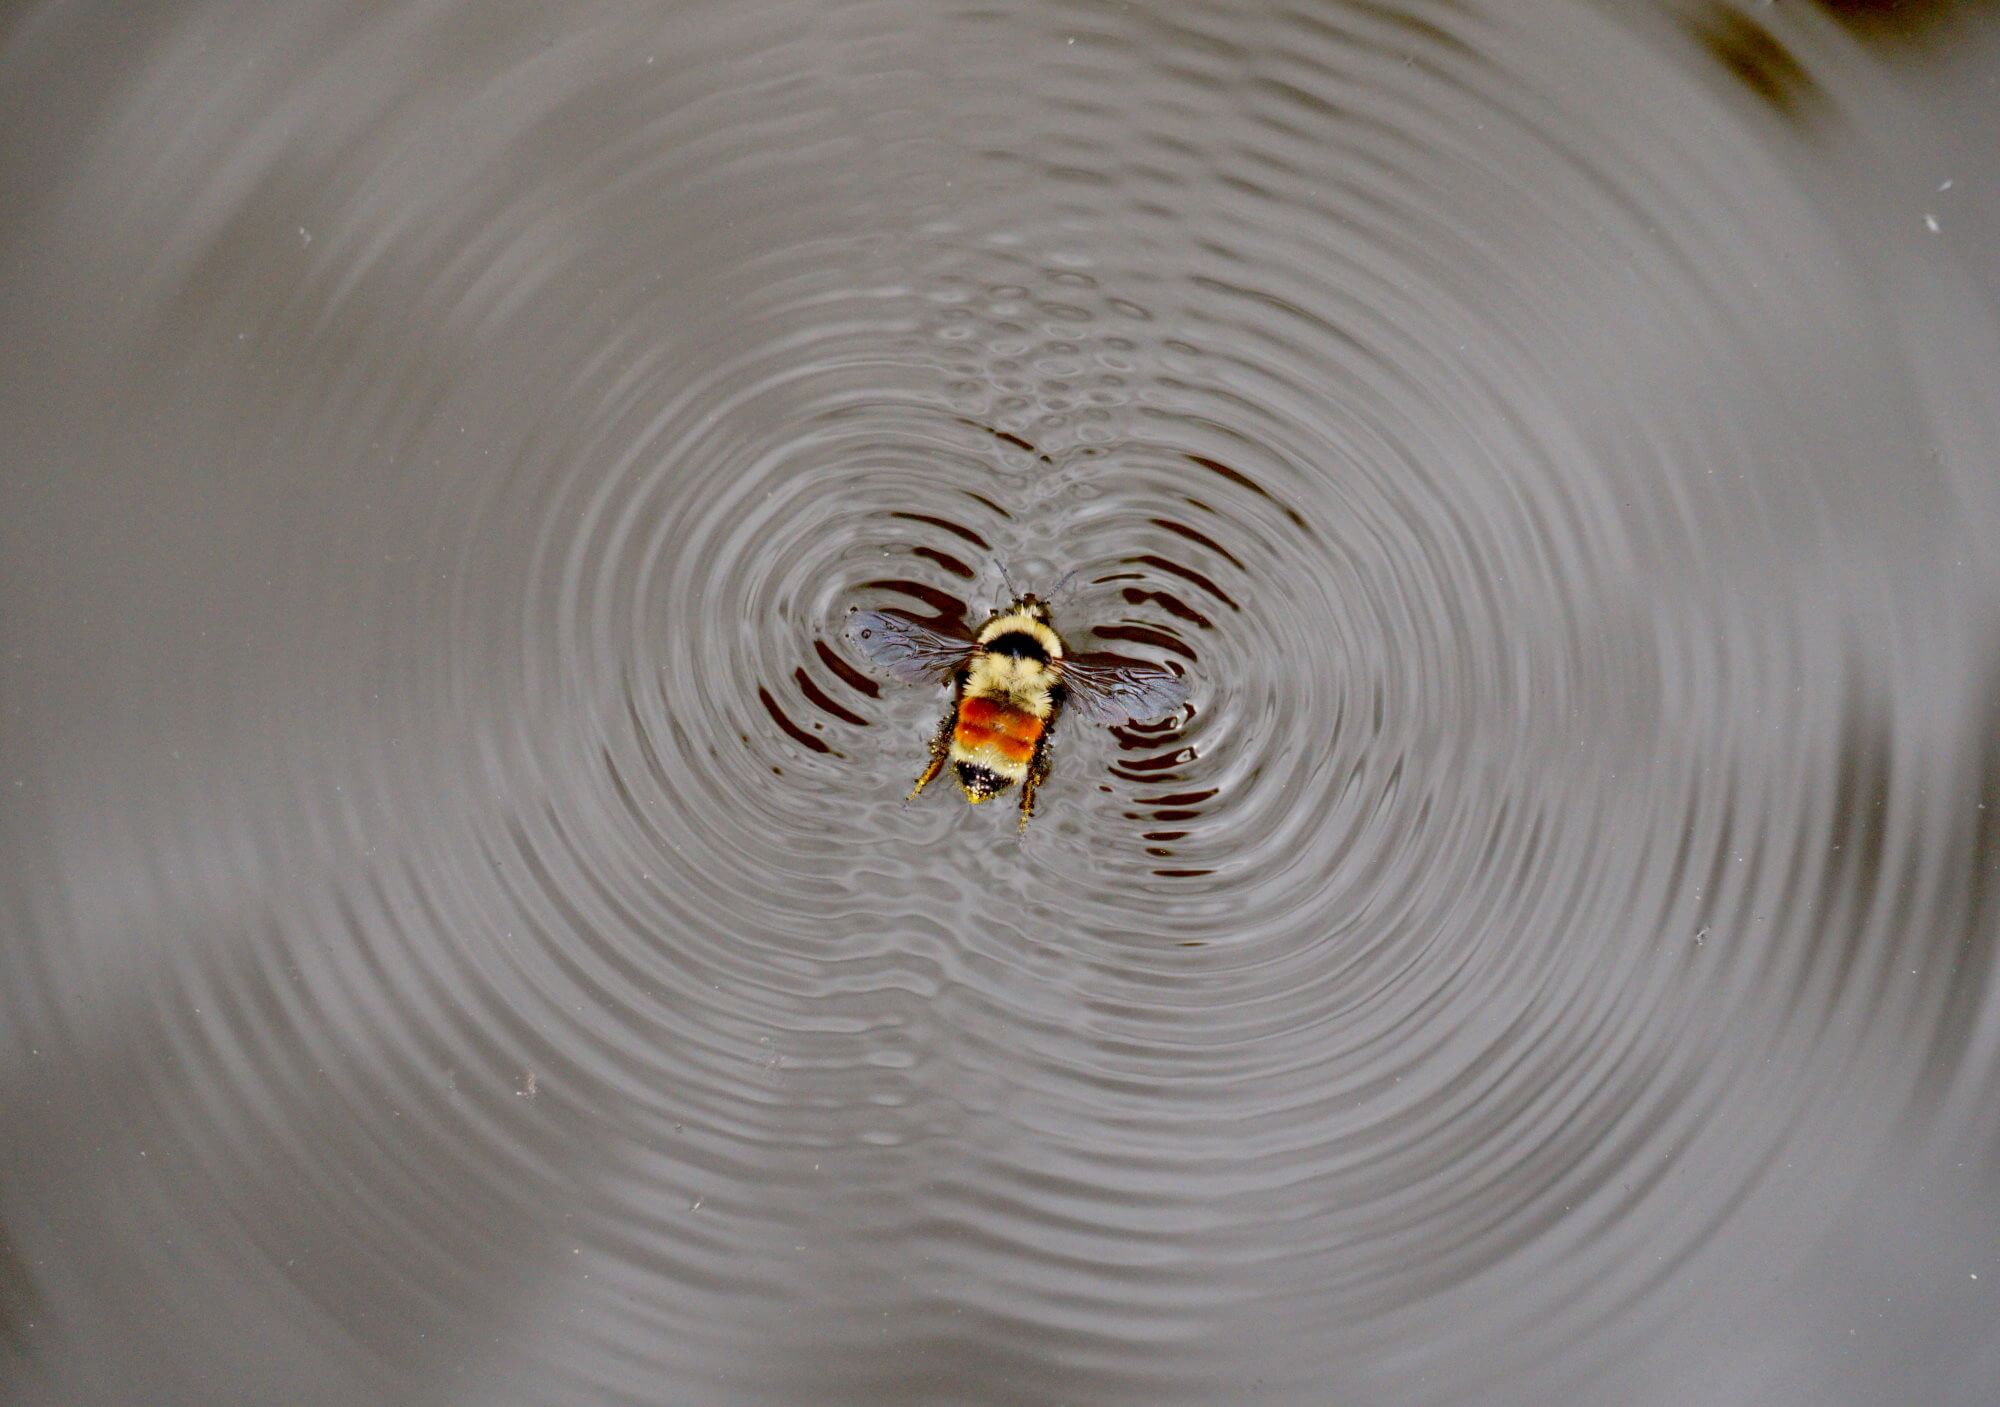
(1011, 680)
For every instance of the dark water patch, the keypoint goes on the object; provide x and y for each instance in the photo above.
(817, 697)
(945, 560)
(1756, 56)
(792, 730)
(947, 610)
(847, 673)
(1183, 530)
(1906, 21)
(1145, 634)
(1170, 603)
(1243, 481)
(956, 529)
(1188, 574)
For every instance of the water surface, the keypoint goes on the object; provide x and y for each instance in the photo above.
(464, 941)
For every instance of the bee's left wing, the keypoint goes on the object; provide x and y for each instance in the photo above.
(904, 648)
(1108, 689)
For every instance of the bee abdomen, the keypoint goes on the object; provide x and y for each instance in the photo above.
(996, 729)
(981, 783)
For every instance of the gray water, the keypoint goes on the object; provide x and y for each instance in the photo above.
(464, 942)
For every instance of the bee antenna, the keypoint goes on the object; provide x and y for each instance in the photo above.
(1069, 577)
(1012, 590)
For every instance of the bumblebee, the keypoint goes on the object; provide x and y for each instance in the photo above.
(1010, 681)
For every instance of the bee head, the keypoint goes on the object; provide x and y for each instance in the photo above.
(1035, 606)
(978, 784)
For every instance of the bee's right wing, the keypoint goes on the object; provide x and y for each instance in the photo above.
(1110, 689)
(904, 649)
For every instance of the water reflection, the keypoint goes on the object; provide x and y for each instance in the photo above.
(465, 940)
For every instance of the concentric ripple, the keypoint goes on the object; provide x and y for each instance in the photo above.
(472, 943)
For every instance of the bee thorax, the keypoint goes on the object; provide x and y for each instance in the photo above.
(1022, 683)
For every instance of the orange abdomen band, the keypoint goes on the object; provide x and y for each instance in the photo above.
(1007, 731)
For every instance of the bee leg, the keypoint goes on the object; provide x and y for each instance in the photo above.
(937, 766)
(940, 751)
(1038, 768)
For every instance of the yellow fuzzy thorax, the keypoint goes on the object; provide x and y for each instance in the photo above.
(1023, 683)
(1034, 622)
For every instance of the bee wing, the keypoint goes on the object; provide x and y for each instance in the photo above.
(1108, 689)
(904, 649)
